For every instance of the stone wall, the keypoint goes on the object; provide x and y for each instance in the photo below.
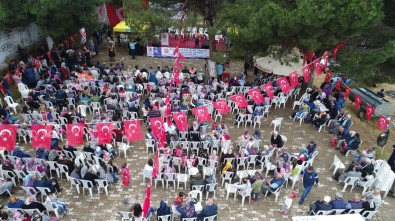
(9, 41)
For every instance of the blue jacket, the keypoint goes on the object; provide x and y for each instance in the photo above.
(345, 135)
(309, 179)
(353, 143)
(209, 210)
(17, 204)
(340, 204)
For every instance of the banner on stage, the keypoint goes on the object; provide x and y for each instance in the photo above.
(167, 52)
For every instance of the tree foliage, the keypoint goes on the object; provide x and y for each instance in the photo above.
(163, 14)
(305, 24)
(58, 18)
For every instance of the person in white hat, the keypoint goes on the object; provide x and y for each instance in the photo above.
(321, 205)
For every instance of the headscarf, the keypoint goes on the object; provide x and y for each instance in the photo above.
(163, 208)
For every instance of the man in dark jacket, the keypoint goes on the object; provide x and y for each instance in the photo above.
(339, 202)
(197, 180)
(321, 205)
(61, 98)
(276, 140)
(210, 209)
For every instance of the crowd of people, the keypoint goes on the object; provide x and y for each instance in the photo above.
(64, 79)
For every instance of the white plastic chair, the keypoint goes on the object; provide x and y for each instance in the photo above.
(150, 144)
(51, 207)
(165, 217)
(311, 160)
(244, 194)
(337, 164)
(276, 192)
(86, 184)
(63, 169)
(242, 161)
(367, 185)
(211, 188)
(198, 195)
(210, 218)
(159, 178)
(368, 215)
(82, 110)
(349, 181)
(170, 177)
(10, 103)
(147, 174)
(249, 119)
(251, 161)
(101, 183)
(182, 178)
(53, 166)
(75, 182)
(43, 192)
(23, 89)
(258, 121)
(277, 123)
(230, 189)
(126, 216)
(30, 191)
(227, 177)
(268, 165)
(239, 120)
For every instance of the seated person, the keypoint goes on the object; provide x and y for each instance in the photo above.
(355, 202)
(276, 140)
(344, 176)
(210, 209)
(339, 202)
(307, 153)
(342, 136)
(245, 183)
(52, 184)
(25, 204)
(321, 205)
(273, 184)
(187, 210)
(89, 173)
(371, 199)
(19, 153)
(179, 199)
(64, 161)
(163, 209)
(320, 119)
(352, 144)
(51, 198)
(6, 185)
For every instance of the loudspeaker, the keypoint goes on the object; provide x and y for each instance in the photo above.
(205, 45)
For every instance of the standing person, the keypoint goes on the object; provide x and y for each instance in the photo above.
(220, 70)
(381, 93)
(310, 178)
(111, 50)
(196, 41)
(132, 48)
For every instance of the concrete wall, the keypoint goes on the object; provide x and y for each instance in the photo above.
(9, 42)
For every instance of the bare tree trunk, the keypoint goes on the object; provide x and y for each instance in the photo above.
(212, 44)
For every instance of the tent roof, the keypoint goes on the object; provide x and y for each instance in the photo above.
(122, 27)
(269, 65)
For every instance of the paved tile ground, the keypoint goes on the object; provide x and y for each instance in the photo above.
(100, 208)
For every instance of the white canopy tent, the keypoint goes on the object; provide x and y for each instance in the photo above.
(271, 65)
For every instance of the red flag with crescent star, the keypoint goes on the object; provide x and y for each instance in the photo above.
(284, 85)
(294, 79)
(338, 85)
(201, 113)
(357, 101)
(156, 165)
(158, 130)
(132, 130)
(8, 135)
(328, 77)
(369, 111)
(347, 92)
(256, 95)
(325, 59)
(382, 123)
(147, 199)
(42, 136)
(240, 100)
(268, 88)
(317, 67)
(222, 106)
(75, 134)
(104, 132)
(306, 73)
(337, 48)
(180, 118)
(167, 112)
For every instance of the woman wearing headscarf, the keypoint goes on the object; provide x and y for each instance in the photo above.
(257, 135)
(195, 128)
(163, 209)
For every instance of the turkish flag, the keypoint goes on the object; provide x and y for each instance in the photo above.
(158, 129)
(222, 106)
(256, 95)
(347, 92)
(156, 165)
(132, 130)
(42, 136)
(201, 113)
(147, 199)
(308, 57)
(177, 63)
(180, 118)
(75, 134)
(358, 101)
(338, 85)
(325, 60)
(176, 74)
(104, 132)
(306, 73)
(240, 100)
(176, 50)
(268, 88)
(382, 123)
(337, 48)
(8, 135)
(284, 85)
(294, 79)
(328, 77)
(180, 56)
(317, 67)
(369, 111)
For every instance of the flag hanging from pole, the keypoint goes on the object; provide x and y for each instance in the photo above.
(83, 35)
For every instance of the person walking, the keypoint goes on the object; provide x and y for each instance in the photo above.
(309, 178)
